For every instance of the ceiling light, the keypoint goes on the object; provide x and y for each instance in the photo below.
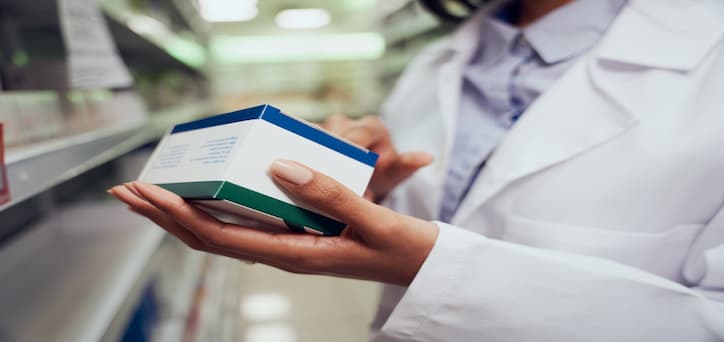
(265, 307)
(228, 10)
(303, 18)
(277, 332)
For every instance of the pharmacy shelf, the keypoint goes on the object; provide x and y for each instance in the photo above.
(407, 29)
(36, 168)
(145, 40)
(407, 22)
(389, 7)
(177, 290)
(190, 15)
(410, 30)
(162, 120)
(66, 279)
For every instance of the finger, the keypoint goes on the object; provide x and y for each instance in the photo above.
(363, 136)
(327, 195)
(124, 195)
(142, 207)
(368, 132)
(163, 220)
(336, 123)
(350, 131)
(408, 163)
(169, 225)
(261, 246)
(370, 195)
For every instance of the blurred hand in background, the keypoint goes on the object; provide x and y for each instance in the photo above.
(392, 167)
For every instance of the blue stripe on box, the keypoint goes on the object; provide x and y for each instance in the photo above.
(276, 117)
(222, 119)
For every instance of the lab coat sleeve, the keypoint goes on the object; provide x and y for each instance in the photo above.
(472, 288)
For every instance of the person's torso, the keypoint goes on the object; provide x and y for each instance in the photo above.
(510, 68)
(618, 159)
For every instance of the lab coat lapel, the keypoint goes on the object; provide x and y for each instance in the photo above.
(557, 127)
(588, 106)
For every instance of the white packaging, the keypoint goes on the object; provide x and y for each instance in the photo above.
(222, 162)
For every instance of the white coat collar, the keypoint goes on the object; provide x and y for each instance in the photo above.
(670, 34)
(465, 38)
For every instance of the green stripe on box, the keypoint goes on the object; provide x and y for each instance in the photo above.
(220, 190)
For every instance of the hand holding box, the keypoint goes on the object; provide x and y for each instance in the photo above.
(221, 164)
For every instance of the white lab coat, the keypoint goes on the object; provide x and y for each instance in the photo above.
(600, 215)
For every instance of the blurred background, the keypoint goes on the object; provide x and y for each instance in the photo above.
(87, 87)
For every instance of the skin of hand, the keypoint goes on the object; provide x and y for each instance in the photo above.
(378, 243)
(392, 167)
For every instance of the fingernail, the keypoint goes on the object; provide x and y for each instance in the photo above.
(291, 172)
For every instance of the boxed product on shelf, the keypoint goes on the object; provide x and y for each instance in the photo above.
(10, 118)
(78, 117)
(221, 163)
(98, 108)
(4, 187)
(35, 73)
(123, 107)
(41, 114)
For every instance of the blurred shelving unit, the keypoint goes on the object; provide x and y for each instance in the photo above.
(75, 280)
(407, 29)
(175, 39)
(406, 21)
(75, 265)
(37, 167)
(74, 276)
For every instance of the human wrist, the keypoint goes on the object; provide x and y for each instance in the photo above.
(422, 242)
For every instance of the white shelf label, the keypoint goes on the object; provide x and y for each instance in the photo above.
(93, 59)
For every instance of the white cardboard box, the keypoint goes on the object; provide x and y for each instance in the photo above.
(222, 163)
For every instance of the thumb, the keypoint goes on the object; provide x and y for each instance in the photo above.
(323, 193)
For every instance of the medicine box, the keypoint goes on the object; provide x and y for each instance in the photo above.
(222, 163)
